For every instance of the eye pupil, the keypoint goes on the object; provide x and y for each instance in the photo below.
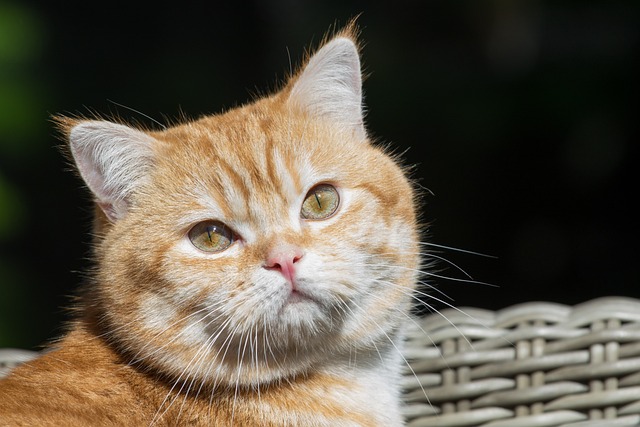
(211, 236)
(321, 202)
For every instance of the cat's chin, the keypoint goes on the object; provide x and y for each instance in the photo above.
(261, 342)
(252, 363)
(301, 318)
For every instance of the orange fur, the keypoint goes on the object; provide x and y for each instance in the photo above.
(86, 383)
(168, 335)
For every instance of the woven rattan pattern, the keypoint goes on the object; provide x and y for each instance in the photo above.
(533, 364)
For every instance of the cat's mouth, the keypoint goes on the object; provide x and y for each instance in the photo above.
(299, 299)
(300, 291)
(296, 297)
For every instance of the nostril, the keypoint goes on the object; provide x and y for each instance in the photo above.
(273, 266)
(283, 259)
(280, 263)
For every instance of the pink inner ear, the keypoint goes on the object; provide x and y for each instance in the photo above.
(109, 210)
(95, 180)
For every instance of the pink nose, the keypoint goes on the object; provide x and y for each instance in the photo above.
(283, 259)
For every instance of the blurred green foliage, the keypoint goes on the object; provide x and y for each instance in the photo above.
(20, 138)
(21, 44)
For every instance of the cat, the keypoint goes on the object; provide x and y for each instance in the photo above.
(252, 268)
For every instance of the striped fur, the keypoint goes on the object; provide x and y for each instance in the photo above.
(172, 335)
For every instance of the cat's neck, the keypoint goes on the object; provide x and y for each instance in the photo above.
(328, 396)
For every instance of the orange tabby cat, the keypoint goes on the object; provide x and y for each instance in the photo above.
(254, 268)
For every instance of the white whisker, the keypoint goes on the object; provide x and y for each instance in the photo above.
(399, 351)
(449, 248)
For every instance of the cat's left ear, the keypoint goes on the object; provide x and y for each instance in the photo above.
(330, 85)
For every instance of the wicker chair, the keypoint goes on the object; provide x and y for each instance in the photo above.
(532, 364)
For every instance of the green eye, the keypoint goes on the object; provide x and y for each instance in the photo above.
(211, 236)
(320, 203)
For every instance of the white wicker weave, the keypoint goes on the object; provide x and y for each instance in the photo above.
(12, 357)
(532, 364)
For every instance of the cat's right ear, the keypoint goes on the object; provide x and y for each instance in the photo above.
(112, 159)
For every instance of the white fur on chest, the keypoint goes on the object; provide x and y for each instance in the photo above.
(373, 393)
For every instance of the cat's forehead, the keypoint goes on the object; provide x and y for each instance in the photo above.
(251, 165)
(259, 144)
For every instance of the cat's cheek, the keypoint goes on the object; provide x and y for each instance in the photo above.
(156, 313)
(160, 317)
(323, 277)
(200, 279)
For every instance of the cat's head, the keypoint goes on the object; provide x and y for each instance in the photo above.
(256, 244)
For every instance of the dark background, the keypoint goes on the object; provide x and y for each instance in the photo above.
(518, 115)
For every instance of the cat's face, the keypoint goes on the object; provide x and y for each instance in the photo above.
(250, 246)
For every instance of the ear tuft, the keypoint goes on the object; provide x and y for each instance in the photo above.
(112, 159)
(330, 85)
